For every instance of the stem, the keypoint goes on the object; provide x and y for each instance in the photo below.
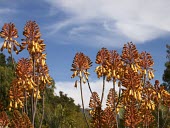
(102, 100)
(131, 114)
(118, 98)
(89, 86)
(32, 96)
(103, 90)
(99, 112)
(42, 109)
(26, 106)
(114, 103)
(35, 103)
(36, 98)
(158, 115)
(83, 102)
(113, 96)
(12, 61)
(144, 82)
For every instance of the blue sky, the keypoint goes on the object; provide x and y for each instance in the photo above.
(70, 26)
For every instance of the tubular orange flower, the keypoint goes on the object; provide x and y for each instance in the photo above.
(9, 33)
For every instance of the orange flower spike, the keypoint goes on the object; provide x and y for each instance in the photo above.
(113, 65)
(44, 76)
(108, 118)
(102, 59)
(128, 80)
(81, 64)
(146, 62)
(16, 94)
(130, 54)
(102, 56)
(132, 115)
(9, 33)
(4, 119)
(94, 101)
(147, 117)
(112, 98)
(34, 43)
(96, 110)
(24, 68)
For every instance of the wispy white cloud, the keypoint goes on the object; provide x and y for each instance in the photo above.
(68, 88)
(139, 32)
(132, 20)
(58, 26)
(79, 30)
(6, 10)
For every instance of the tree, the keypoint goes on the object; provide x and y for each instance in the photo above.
(60, 111)
(6, 77)
(9, 62)
(2, 59)
(166, 75)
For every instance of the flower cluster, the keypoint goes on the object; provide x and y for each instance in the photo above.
(81, 64)
(137, 96)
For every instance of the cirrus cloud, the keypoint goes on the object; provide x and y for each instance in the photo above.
(112, 20)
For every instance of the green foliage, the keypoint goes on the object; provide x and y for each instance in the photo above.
(166, 75)
(6, 77)
(164, 117)
(2, 59)
(9, 62)
(61, 112)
